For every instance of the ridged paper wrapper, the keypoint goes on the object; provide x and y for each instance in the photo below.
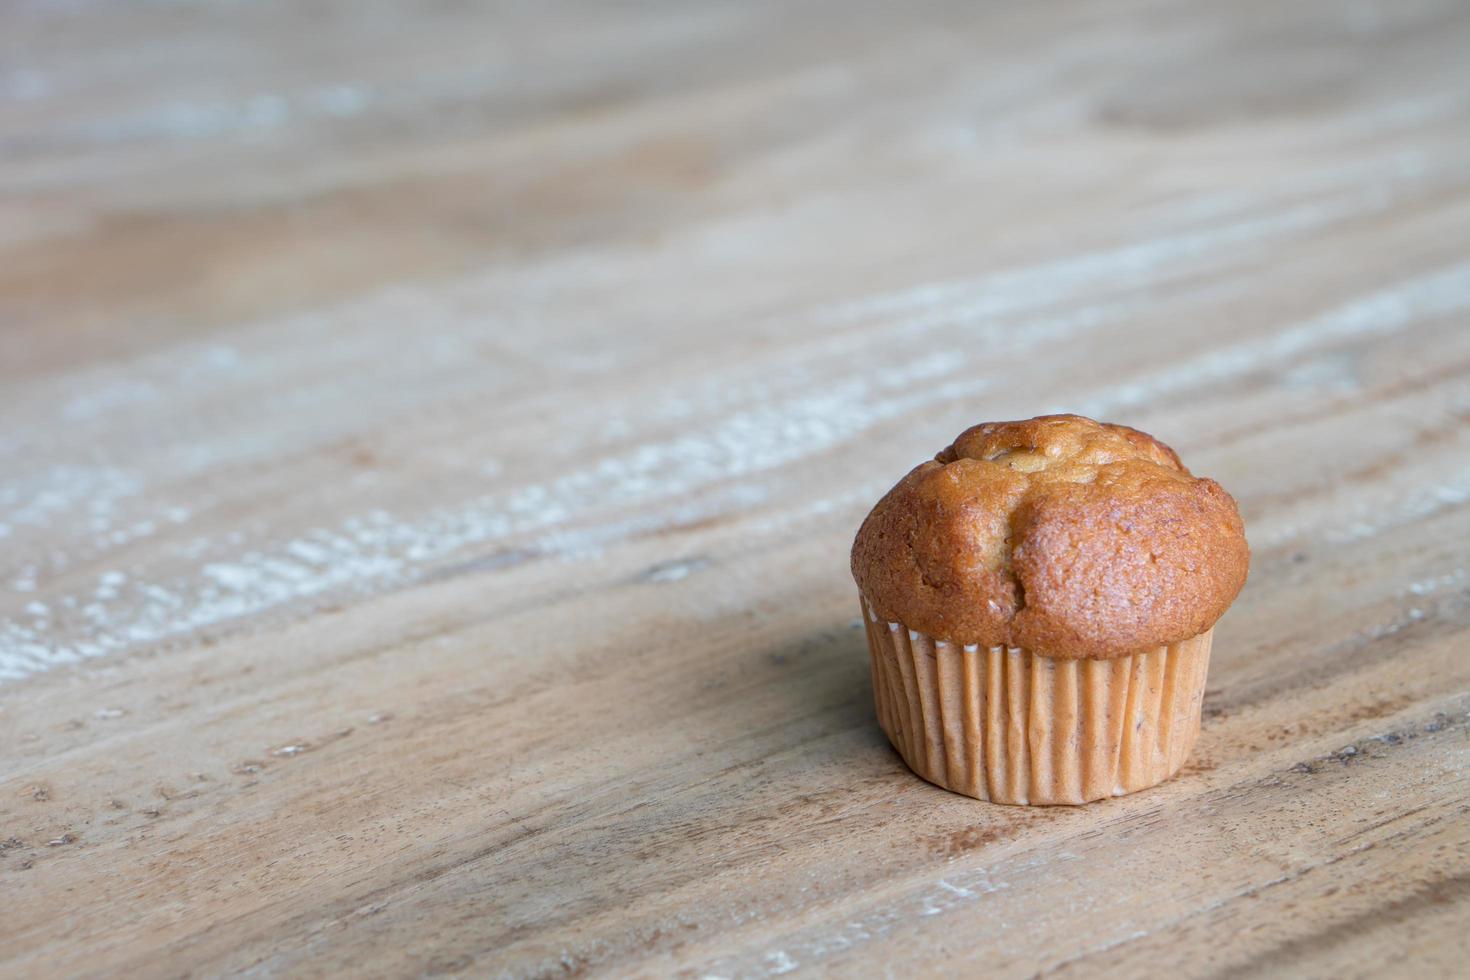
(1009, 726)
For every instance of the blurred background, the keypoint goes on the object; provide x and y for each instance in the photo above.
(323, 295)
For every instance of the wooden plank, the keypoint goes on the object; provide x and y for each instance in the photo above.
(429, 449)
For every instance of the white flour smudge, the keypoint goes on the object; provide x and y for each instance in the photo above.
(1126, 267)
(108, 398)
(1365, 521)
(956, 891)
(1438, 583)
(262, 112)
(90, 494)
(577, 512)
(779, 962)
(1366, 514)
(570, 514)
(1388, 311)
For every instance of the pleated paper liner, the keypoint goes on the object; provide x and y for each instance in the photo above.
(1004, 725)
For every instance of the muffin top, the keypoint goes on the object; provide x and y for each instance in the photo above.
(1065, 536)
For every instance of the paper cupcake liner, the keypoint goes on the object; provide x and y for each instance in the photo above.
(1005, 725)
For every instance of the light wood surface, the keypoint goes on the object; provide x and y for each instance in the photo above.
(431, 436)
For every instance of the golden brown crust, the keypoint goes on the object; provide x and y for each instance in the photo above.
(1065, 536)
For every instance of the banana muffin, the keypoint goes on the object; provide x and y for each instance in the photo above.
(1039, 601)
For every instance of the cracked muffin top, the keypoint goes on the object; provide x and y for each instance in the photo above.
(1065, 536)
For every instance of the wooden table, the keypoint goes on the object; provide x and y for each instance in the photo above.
(430, 445)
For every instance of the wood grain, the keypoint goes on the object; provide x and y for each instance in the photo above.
(430, 442)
